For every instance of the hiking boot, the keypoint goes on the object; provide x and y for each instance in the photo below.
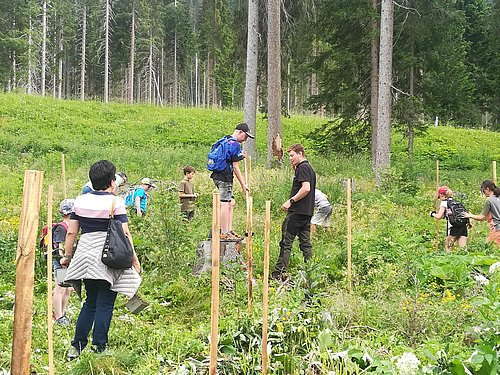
(73, 353)
(62, 321)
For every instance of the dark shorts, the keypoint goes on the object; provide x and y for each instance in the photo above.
(458, 231)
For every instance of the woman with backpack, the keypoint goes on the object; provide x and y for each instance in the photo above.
(456, 230)
(491, 210)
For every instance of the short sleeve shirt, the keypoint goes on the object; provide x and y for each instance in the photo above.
(234, 153)
(141, 193)
(303, 173)
(492, 204)
(92, 211)
(186, 187)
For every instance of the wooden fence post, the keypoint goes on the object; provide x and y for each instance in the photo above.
(25, 273)
(49, 280)
(437, 204)
(349, 234)
(249, 243)
(214, 334)
(265, 287)
(63, 176)
(494, 171)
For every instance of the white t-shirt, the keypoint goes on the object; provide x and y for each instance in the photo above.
(320, 199)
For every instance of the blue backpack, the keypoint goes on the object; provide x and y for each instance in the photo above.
(130, 198)
(217, 157)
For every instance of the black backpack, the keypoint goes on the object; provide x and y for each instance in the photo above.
(455, 213)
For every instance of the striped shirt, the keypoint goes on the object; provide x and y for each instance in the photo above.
(92, 211)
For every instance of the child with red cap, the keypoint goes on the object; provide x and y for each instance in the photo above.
(456, 230)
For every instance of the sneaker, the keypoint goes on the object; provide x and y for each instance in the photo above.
(73, 353)
(62, 321)
(234, 235)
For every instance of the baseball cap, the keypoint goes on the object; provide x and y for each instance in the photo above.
(146, 181)
(443, 189)
(244, 128)
(66, 206)
(118, 179)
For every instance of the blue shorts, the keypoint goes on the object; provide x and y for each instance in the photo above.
(225, 190)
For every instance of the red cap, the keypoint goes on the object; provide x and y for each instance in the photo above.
(443, 189)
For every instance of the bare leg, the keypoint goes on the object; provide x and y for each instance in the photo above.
(313, 229)
(225, 208)
(230, 217)
(450, 241)
(462, 241)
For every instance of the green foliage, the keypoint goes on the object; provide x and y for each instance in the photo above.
(405, 296)
(342, 136)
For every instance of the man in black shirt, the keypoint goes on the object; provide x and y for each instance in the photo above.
(300, 209)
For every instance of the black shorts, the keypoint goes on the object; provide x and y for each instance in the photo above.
(458, 231)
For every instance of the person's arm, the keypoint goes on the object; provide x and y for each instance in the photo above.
(239, 176)
(440, 214)
(138, 205)
(73, 228)
(483, 215)
(135, 261)
(305, 188)
(184, 195)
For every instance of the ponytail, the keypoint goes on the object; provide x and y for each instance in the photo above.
(491, 185)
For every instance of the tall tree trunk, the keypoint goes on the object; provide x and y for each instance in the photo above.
(83, 51)
(250, 101)
(60, 67)
(374, 78)
(132, 57)
(150, 70)
(30, 63)
(273, 80)
(383, 159)
(197, 79)
(44, 46)
(106, 52)
(176, 78)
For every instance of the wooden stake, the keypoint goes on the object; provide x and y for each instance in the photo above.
(49, 279)
(214, 334)
(25, 272)
(249, 254)
(265, 291)
(495, 172)
(437, 204)
(63, 176)
(349, 234)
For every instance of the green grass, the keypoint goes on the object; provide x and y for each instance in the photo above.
(406, 297)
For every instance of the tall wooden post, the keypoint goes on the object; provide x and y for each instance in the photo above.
(63, 176)
(494, 171)
(349, 233)
(25, 273)
(265, 291)
(49, 280)
(249, 243)
(215, 283)
(437, 204)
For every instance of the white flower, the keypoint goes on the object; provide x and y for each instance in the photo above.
(407, 364)
(340, 355)
(494, 267)
(367, 358)
(481, 280)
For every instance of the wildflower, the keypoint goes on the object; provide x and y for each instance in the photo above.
(448, 296)
(407, 364)
(494, 267)
(481, 280)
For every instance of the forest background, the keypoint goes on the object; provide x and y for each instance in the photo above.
(193, 53)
